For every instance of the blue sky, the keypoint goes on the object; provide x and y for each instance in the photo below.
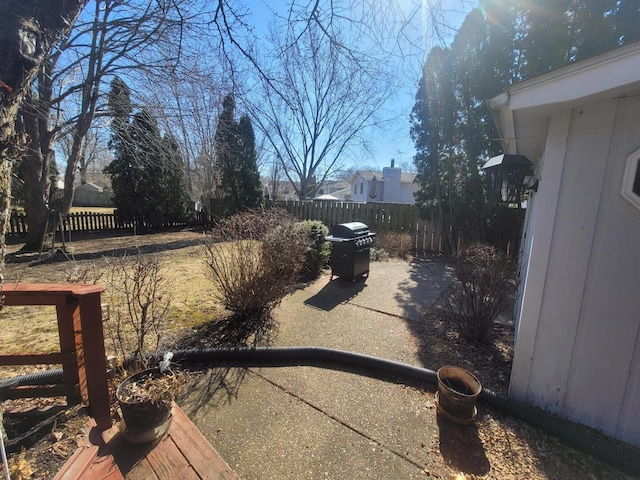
(394, 141)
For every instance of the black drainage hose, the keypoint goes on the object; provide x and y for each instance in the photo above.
(588, 440)
(47, 377)
(306, 356)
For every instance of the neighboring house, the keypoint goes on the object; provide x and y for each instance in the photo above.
(284, 190)
(340, 190)
(388, 186)
(92, 195)
(577, 349)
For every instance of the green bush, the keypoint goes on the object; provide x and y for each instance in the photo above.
(318, 249)
(254, 259)
(486, 281)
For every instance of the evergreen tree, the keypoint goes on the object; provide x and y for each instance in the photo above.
(432, 132)
(251, 188)
(125, 171)
(498, 44)
(226, 144)
(626, 22)
(146, 174)
(484, 63)
(547, 42)
(238, 177)
(176, 202)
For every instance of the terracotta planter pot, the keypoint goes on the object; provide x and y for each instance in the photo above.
(458, 391)
(145, 420)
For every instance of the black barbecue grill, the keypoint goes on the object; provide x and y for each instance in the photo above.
(350, 250)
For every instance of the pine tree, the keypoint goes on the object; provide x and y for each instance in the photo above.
(432, 131)
(498, 44)
(146, 174)
(249, 174)
(239, 180)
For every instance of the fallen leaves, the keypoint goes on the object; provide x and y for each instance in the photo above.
(19, 468)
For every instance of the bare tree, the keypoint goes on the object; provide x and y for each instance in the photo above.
(316, 104)
(29, 31)
(188, 103)
(111, 36)
(334, 67)
(95, 154)
(276, 179)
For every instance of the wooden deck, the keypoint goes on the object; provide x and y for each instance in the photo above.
(82, 355)
(183, 453)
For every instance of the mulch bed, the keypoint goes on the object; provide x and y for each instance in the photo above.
(440, 344)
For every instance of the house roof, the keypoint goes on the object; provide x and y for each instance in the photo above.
(325, 197)
(342, 193)
(90, 187)
(369, 174)
(523, 112)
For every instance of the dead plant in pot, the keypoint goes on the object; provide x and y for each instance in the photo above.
(145, 399)
(138, 298)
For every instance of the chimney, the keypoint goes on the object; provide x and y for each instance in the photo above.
(393, 162)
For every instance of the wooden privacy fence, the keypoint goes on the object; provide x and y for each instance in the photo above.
(379, 217)
(500, 226)
(97, 222)
(427, 235)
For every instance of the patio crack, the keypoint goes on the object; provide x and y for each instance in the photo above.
(340, 421)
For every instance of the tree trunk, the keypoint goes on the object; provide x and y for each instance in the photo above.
(69, 174)
(35, 164)
(35, 197)
(6, 170)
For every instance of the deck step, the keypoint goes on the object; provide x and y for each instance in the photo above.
(183, 453)
(78, 464)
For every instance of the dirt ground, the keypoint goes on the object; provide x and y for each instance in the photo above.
(45, 432)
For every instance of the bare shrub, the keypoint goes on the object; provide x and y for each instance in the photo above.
(253, 260)
(486, 281)
(86, 273)
(379, 254)
(139, 298)
(395, 244)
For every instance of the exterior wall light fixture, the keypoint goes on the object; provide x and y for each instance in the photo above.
(508, 176)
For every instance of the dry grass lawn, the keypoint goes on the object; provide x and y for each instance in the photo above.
(34, 329)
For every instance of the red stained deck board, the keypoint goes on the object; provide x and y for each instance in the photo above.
(78, 462)
(199, 452)
(182, 453)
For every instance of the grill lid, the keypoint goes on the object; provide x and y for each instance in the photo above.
(349, 230)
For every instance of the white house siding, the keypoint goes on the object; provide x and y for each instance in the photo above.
(356, 196)
(581, 356)
(392, 186)
(543, 214)
(406, 193)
